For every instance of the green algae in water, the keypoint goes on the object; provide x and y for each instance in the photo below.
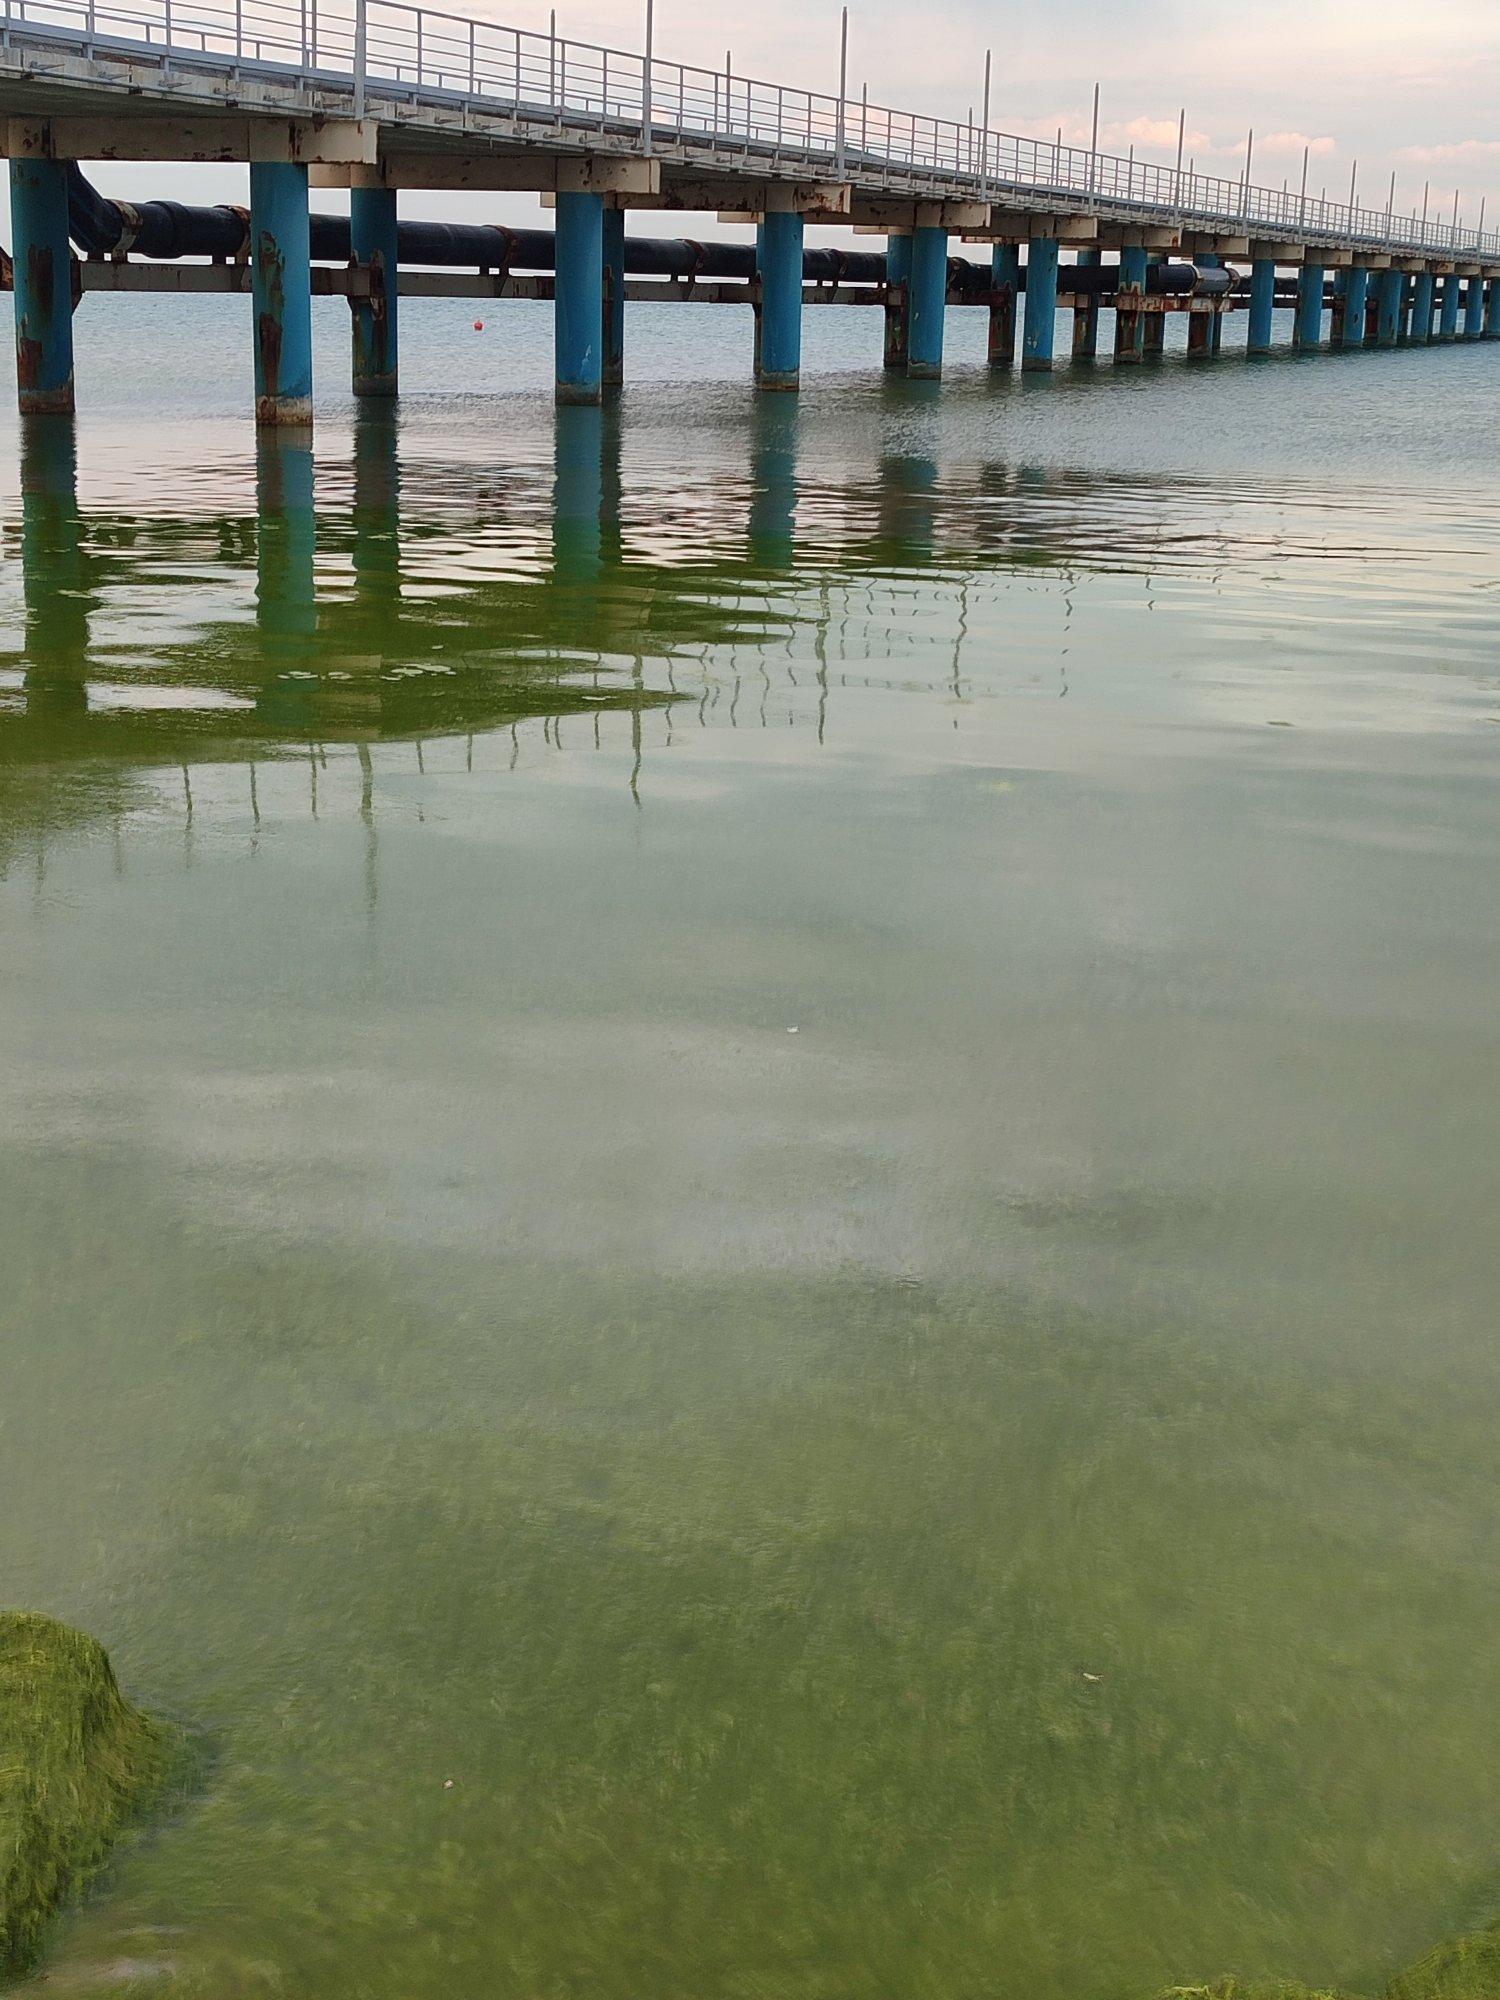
(1465, 1968)
(1253, 1989)
(76, 1762)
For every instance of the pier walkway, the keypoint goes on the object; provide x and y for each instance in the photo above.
(391, 97)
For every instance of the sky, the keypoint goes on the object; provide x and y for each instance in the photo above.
(1407, 89)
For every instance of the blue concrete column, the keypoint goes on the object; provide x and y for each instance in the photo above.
(1086, 317)
(1005, 288)
(1356, 301)
(1307, 326)
(1388, 322)
(897, 300)
(44, 286)
(612, 366)
(1492, 309)
(1041, 305)
(1262, 305)
(1130, 289)
(372, 241)
(578, 309)
(1338, 317)
(1421, 309)
(1448, 317)
(281, 294)
(1473, 308)
(780, 241)
(929, 302)
(1213, 323)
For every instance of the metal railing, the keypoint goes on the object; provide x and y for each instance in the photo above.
(578, 89)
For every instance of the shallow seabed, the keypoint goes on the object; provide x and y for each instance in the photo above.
(748, 1162)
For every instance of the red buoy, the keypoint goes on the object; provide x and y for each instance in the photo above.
(479, 326)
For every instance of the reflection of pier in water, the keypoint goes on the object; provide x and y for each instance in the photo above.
(361, 629)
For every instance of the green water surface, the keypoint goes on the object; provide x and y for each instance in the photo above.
(748, 1170)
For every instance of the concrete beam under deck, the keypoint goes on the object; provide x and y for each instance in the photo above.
(263, 141)
(878, 215)
(1208, 242)
(1017, 225)
(743, 200)
(1121, 236)
(497, 173)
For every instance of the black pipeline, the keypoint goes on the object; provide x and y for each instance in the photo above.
(168, 230)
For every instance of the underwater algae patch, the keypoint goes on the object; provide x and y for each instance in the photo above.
(1252, 1989)
(76, 1762)
(1465, 1968)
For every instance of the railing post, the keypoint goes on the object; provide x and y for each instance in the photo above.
(984, 132)
(646, 79)
(839, 148)
(360, 28)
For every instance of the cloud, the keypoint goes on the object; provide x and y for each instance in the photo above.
(1152, 135)
(1458, 152)
(1295, 143)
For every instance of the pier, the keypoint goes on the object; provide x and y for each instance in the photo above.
(393, 100)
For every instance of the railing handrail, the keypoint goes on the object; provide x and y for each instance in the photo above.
(526, 72)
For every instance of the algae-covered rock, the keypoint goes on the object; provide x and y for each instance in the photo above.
(1250, 1989)
(76, 1761)
(1466, 1968)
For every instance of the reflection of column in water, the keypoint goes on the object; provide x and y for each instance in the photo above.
(610, 488)
(286, 611)
(54, 569)
(577, 494)
(908, 506)
(377, 523)
(771, 530)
